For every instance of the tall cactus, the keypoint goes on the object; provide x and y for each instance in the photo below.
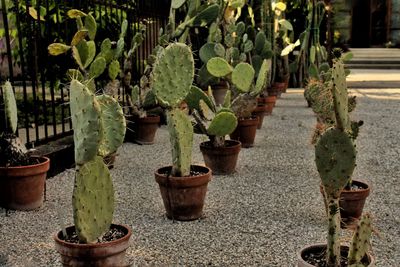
(172, 79)
(99, 129)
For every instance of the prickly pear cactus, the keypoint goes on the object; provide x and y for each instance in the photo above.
(360, 243)
(243, 77)
(224, 123)
(262, 78)
(114, 125)
(340, 96)
(10, 106)
(86, 122)
(92, 200)
(181, 136)
(335, 156)
(173, 74)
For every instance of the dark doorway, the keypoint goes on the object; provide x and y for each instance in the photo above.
(369, 23)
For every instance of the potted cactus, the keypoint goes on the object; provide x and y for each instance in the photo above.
(215, 121)
(335, 157)
(99, 128)
(183, 186)
(245, 94)
(22, 177)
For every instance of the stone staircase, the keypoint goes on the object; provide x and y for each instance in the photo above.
(374, 68)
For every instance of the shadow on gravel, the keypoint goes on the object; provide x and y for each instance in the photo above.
(4, 261)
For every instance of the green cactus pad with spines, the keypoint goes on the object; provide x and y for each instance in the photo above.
(335, 156)
(78, 37)
(56, 49)
(340, 96)
(181, 138)
(77, 57)
(173, 74)
(75, 13)
(240, 28)
(207, 52)
(219, 67)
(224, 123)
(194, 97)
(91, 26)
(248, 46)
(219, 50)
(243, 77)
(256, 61)
(135, 94)
(86, 122)
(92, 200)
(114, 69)
(360, 243)
(206, 111)
(10, 106)
(206, 16)
(227, 99)
(106, 50)
(91, 53)
(175, 4)
(261, 79)
(75, 74)
(97, 67)
(120, 48)
(259, 43)
(113, 125)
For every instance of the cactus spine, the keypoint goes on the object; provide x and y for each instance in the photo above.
(172, 79)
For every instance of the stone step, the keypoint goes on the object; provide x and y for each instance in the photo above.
(372, 66)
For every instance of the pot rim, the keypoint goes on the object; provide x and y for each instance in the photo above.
(97, 245)
(368, 188)
(235, 143)
(157, 172)
(323, 245)
(46, 161)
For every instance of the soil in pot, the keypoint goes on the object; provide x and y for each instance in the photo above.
(260, 113)
(314, 256)
(221, 160)
(145, 129)
(245, 131)
(183, 197)
(110, 251)
(352, 202)
(22, 188)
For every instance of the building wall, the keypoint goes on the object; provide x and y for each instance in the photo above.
(395, 23)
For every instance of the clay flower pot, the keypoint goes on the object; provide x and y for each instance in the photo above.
(145, 129)
(221, 160)
(107, 254)
(183, 197)
(260, 113)
(320, 249)
(245, 131)
(269, 102)
(352, 202)
(22, 188)
(219, 92)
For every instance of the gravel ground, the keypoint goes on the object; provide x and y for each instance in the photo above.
(260, 216)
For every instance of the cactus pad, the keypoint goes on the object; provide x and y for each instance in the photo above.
(223, 123)
(97, 67)
(219, 67)
(91, 53)
(194, 97)
(86, 122)
(243, 76)
(10, 106)
(207, 52)
(173, 74)
(92, 200)
(340, 95)
(360, 243)
(113, 125)
(261, 79)
(207, 113)
(181, 136)
(335, 156)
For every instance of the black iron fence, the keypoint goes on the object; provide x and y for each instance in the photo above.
(28, 27)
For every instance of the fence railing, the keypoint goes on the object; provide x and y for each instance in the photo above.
(28, 27)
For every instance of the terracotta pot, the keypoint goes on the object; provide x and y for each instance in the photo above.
(260, 113)
(145, 129)
(321, 249)
(108, 254)
(221, 160)
(22, 188)
(286, 82)
(276, 89)
(245, 132)
(183, 197)
(351, 202)
(219, 92)
(269, 102)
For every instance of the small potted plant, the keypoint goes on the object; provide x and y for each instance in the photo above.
(215, 121)
(22, 177)
(183, 186)
(99, 128)
(245, 94)
(335, 157)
